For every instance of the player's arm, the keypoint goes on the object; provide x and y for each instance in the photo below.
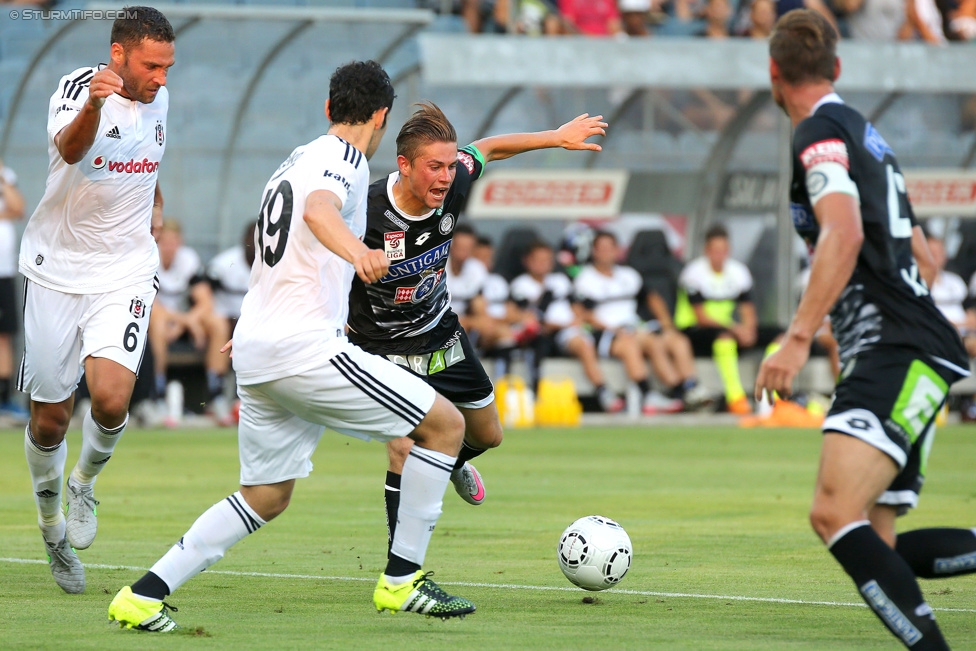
(659, 309)
(322, 214)
(697, 302)
(923, 257)
(74, 140)
(838, 246)
(571, 135)
(157, 212)
(747, 329)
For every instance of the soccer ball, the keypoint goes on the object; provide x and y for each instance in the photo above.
(594, 553)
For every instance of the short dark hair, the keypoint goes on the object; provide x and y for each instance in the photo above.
(804, 46)
(427, 124)
(534, 246)
(465, 229)
(357, 90)
(598, 234)
(484, 240)
(135, 24)
(715, 232)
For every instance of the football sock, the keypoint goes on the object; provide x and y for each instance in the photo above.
(160, 384)
(97, 444)
(215, 384)
(425, 477)
(938, 552)
(392, 494)
(150, 586)
(771, 348)
(644, 386)
(47, 476)
(887, 584)
(466, 454)
(219, 528)
(725, 354)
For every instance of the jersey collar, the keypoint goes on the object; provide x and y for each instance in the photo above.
(390, 182)
(829, 98)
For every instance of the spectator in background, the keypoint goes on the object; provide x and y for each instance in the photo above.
(949, 291)
(923, 21)
(184, 308)
(229, 274)
(717, 14)
(465, 274)
(591, 17)
(634, 15)
(11, 210)
(872, 20)
(758, 22)
(962, 21)
(545, 296)
(716, 311)
(607, 295)
(821, 7)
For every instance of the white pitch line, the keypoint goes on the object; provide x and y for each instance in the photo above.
(502, 586)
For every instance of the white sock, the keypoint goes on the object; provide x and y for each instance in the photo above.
(424, 480)
(97, 444)
(47, 476)
(220, 527)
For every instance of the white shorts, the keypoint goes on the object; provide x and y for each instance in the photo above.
(567, 334)
(62, 330)
(354, 393)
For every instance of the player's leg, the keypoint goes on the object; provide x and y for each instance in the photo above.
(114, 334)
(9, 326)
(50, 372)
(626, 347)
(874, 455)
(852, 476)
(725, 354)
(579, 344)
(275, 447)
(162, 331)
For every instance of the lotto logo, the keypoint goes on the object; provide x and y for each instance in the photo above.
(825, 151)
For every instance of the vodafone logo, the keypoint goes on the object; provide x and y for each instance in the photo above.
(145, 166)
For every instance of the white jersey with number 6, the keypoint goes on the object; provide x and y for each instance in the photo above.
(294, 314)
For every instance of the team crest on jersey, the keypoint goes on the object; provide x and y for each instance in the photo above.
(875, 144)
(447, 224)
(422, 290)
(467, 160)
(137, 308)
(160, 136)
(802, 216)
(394, 245)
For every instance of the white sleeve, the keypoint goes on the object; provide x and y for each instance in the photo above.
(335, 170)
(67, 100)
(829, 177)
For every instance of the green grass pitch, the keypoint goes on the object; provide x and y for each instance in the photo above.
(718, 518)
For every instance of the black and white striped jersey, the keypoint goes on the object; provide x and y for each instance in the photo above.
(411, 299)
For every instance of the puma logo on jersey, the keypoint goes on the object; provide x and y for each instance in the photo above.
(113, 133)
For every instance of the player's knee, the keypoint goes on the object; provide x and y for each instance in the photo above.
(49, 424)
(109, 408)
(826, 519)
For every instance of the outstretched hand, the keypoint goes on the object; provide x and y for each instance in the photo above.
(574, 133)
(103, 84)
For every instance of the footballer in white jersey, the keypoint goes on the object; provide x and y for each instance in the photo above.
(89, 259)
(297, 371)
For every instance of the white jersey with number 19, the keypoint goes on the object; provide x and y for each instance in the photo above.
(294, 314)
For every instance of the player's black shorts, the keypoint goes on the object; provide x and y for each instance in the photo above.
(702, 337)
(444, 359)
(9, 322)
(889, 397)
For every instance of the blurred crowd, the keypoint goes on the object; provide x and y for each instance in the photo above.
(932, 21)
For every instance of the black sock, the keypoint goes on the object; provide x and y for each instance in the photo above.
(4, 390)
(677, 392)
(392, 507)
(397, 566)
(887, 584)
(938, 553)
(644, 386)
(215, 384)
(151, 586)
(467, 453)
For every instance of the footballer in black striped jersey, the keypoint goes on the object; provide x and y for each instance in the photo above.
(899, 355)
(406, 316)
